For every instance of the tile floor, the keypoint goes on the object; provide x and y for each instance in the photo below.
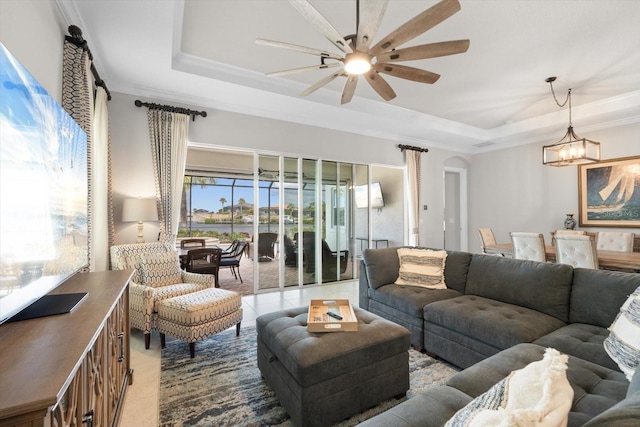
(141, 400)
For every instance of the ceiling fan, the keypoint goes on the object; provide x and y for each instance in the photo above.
(357, 55)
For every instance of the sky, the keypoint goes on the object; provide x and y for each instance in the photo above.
(208, 198)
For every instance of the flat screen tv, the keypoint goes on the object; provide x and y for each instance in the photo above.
(43, 192)
(362, 196)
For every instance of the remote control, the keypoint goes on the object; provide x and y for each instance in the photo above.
(335, 316)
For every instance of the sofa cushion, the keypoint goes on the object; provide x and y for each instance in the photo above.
(595, 388)
(623, 342)
(456, 269)
(535, 395)
(634, 386)
(580, 340)
(543, 287)
(492, 322)
(429, 409)
(410, 299)
(421, 267)
(625, 413)
(382, 266)
(612, 289)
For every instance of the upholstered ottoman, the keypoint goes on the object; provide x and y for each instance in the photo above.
(323, 378)
(198, 315)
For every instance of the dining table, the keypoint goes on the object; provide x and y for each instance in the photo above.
(608, 260)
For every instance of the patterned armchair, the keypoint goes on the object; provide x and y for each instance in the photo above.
(157, 276)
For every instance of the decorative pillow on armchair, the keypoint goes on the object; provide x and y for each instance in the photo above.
(537, 395)
(422, 267)
(159, 269)
(623, 342)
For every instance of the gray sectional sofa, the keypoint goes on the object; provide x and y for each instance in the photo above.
(498, 315)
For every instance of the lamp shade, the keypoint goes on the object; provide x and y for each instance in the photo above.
(137, 210)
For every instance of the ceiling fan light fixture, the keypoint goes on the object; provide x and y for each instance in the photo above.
(357, 63)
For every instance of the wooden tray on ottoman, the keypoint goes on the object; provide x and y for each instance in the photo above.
(319, 321)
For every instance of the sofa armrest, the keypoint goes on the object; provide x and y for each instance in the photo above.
(363, 288)
(199, 279)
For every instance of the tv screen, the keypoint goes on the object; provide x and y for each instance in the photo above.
(43, 190)
(362, 196)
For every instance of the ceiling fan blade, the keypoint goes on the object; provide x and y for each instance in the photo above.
(409, 73)
(321, 24)
(322, 82)
(349, 88)
(425, 51)
(371, 13)
(298, 48)
(302, 69)
(380, 85)
(417, 25)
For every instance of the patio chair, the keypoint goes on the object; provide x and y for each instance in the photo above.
(233, 260)
(204, 261)
(266, 246)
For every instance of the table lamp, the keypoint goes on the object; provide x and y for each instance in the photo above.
(139, 210)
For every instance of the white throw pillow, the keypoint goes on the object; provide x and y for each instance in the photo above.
(537, 395)
(623, 342)
(160, 269)
(422, 267)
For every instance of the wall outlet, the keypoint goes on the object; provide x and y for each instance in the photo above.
(425, 207)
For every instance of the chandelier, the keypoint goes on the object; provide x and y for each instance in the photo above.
(571, 149)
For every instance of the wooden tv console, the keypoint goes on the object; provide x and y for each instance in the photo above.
(69, 369)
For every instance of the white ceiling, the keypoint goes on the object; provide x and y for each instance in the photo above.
(202, 53)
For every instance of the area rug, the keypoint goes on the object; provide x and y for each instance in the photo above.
(222, 385)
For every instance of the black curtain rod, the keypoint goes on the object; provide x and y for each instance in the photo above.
(413, 148)
(180, 110)
(77, 39)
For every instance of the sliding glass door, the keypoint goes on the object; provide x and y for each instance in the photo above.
(301, 218)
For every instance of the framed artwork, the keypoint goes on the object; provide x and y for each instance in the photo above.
(609, 193)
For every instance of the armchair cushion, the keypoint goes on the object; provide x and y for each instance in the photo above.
(159, 269)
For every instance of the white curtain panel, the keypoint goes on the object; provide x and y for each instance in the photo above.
(413, 173)
(168, 134)
(77, 100)
(100, 171)
(180, 134)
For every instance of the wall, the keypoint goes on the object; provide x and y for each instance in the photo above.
(389, 222)
(33, 31)
(511, 190)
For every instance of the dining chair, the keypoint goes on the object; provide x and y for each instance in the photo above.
(573, 232)
(565, 232)
(233, 261)
(576, 250)
(615, 241)
(528, 246)
(486, 238)
(204, 261)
